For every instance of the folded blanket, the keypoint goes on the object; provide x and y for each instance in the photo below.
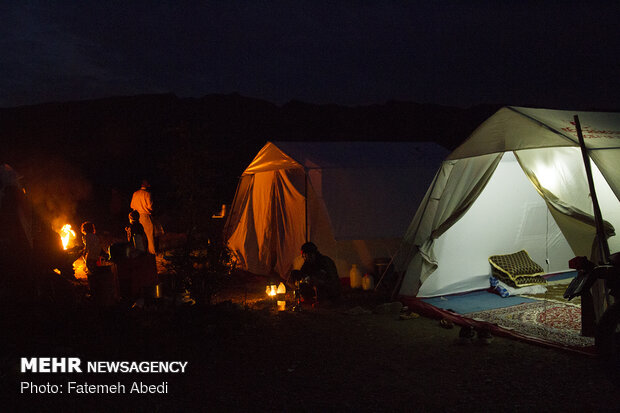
(517, 270)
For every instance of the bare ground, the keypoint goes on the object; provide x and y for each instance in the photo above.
(245, 356)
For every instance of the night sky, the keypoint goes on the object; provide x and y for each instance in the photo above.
(557, 54)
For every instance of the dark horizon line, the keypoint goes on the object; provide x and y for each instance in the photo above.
(299, 101)
(237, 94)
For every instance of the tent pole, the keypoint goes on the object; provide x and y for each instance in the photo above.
(592, 304)
(598, 217)
(306, 203)
(386, 268)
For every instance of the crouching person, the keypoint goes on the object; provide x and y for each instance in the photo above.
(318, 277)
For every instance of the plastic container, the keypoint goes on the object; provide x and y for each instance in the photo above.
(355, 276)
(368, 282)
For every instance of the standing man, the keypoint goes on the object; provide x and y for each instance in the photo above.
(142, 202)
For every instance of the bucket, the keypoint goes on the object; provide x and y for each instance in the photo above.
(118, 251)
(382, 265)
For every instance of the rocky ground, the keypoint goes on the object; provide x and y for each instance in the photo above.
(243, 355)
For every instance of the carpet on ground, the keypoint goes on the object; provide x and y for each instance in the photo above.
(552, 321)
(547, 316)
(555, 289)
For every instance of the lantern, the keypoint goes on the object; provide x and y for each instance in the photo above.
(281, 294)
(271, 290)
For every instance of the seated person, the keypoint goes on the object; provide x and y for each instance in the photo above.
(318, 276)
(138, 241)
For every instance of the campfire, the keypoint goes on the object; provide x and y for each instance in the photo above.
(66, 235)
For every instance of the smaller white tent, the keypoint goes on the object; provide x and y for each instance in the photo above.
(352, 199)
(518, 182)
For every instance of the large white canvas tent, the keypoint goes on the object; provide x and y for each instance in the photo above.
(354, 200)
(518, 182)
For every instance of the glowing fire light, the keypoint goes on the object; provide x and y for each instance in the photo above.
(66, 235)
(271, 290)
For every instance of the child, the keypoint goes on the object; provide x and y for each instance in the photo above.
(137, 274)
(138, 242)
(92, 246)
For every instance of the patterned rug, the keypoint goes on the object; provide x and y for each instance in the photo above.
(552, 321)
(555, 292)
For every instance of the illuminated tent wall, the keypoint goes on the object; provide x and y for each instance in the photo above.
(518, 182)
(353, 199)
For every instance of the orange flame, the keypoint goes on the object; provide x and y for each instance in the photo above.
(66, 235)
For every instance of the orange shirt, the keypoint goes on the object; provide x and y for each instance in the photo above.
(141, 201)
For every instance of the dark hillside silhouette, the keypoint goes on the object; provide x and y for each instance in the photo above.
(188, 146)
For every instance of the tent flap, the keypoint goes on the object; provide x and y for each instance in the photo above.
(455, 189)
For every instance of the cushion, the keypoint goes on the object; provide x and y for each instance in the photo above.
(517, 270)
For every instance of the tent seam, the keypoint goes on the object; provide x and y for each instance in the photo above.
(514, 109)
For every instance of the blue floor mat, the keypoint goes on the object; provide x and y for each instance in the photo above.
(475, 301)
(561, 276)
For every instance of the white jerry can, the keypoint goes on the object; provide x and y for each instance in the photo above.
(368, 282)
(355, 276)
